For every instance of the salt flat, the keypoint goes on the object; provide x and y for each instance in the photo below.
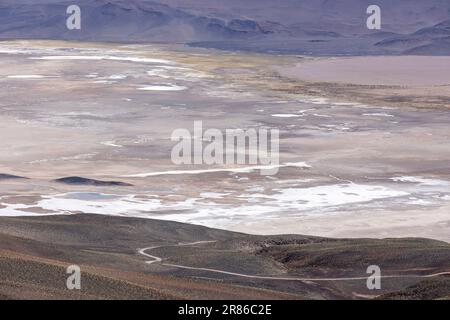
(368, 168)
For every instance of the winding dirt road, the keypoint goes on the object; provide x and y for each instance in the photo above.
(160, 260)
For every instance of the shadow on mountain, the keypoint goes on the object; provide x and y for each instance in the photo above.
(304, 27)
(4, 176)
(91, 182)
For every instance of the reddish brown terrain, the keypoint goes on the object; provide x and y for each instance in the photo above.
(35, 252)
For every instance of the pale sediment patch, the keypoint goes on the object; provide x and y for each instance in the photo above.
(213, 195)
(117, 77)
(329, 195)
(11, 51)
(104, 82)
(307, 202)
(380, 114)
(416, 221)
(292, 201)
(177, 73)
(319, 101)
(419, 202)
(168, 87)
(99, 58)
(422, 181)
(321, 115)
(30, 77)
(231, 170)
(23, 210)
(388, 70)
(286, 115)
(111, 144)
(75, 157)
(105, 204)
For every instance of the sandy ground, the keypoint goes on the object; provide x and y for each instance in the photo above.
(385, 224)
(107, 112)
(406, 81)
(417, 71)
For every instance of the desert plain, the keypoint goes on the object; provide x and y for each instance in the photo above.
(107, 112)
(86, 127)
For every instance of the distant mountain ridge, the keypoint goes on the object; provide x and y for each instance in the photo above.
(285, 26)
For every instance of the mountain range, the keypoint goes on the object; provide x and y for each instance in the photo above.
(284, 26)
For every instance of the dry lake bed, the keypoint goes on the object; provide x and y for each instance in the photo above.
(354, 160)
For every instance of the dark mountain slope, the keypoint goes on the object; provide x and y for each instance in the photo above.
(35, 250)
(286, 26)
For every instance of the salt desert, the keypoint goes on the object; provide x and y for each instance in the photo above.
(106, 112)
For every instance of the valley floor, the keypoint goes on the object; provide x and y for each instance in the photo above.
(107, 112)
